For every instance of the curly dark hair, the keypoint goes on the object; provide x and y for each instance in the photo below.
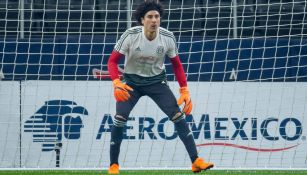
(146, 6)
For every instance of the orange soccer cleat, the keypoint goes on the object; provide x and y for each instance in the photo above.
(114, 169)
(200, 165)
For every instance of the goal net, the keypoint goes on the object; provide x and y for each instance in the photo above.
(245, 61)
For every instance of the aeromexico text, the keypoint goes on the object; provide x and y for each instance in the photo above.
(213, 128)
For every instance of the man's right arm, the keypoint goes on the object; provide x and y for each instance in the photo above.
(113, 64)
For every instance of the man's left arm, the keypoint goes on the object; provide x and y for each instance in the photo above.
(184, 91)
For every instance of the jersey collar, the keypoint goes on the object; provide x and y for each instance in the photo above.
(143, 32)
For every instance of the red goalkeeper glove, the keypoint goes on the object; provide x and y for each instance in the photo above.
(185, 97)
(121, 91)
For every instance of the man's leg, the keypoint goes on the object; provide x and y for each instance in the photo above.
(184, 133)
(123, 110)
(165, 99)
(119, 123)
(167, 102)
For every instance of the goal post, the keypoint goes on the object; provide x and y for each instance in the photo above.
(245, 61)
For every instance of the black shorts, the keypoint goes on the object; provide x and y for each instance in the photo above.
(160, 93)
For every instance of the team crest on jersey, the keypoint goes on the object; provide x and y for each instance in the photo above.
(160, 50)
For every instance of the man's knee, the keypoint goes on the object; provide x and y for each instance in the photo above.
(119, 120)
(177, 117)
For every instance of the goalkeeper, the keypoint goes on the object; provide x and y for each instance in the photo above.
(145, 48)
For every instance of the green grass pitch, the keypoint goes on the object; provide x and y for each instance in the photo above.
(157, 172)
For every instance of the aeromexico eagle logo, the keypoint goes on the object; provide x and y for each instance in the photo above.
(54, 121)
